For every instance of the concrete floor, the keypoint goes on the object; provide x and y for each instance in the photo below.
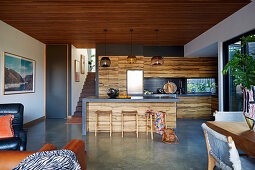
(128, 152)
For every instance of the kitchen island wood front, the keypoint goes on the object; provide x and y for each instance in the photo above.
(91, 104)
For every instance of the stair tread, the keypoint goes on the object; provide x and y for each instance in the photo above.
(88, 89)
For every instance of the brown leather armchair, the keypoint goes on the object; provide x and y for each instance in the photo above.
(11, 159)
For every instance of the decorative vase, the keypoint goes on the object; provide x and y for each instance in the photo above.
(249, 107)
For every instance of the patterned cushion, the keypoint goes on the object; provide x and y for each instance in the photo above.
(57, 159)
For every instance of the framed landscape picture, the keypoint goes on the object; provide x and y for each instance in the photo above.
(77, 70)
(19, 74)
(82, 60)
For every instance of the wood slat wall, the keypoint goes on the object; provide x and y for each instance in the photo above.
(115, 75)
(182, 67)
(214, 104)
(194, 107)
(129, 125)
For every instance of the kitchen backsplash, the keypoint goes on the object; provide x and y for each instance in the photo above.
(153, 84)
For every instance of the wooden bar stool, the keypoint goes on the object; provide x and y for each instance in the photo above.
(100, 112)
(149, 118)
(122, 120)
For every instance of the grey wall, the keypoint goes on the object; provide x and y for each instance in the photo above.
(56, 81)
(165, 51)
(139, 50)
(118, 49)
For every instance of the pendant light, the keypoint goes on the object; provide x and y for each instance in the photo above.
(131, 59)
(157, 60)
(105, 61)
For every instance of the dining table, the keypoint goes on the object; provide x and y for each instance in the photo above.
(243, 137)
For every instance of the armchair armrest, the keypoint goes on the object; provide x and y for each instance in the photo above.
(48, 147)
(78, 147)
(23, 137)
(11, 159)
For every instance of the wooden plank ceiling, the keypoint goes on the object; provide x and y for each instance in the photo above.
(81, 22)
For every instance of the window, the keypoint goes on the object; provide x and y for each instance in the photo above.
(201, 85)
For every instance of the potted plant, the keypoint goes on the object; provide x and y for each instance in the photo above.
(242, 68)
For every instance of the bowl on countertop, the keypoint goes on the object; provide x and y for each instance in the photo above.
(112, 93)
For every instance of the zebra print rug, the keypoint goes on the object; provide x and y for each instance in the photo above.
(57, 160)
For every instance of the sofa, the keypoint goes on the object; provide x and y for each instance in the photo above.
(10, 159)
(19, 142)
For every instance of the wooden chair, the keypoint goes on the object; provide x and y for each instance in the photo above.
(100, 112)
(129, 113)
(222, 152)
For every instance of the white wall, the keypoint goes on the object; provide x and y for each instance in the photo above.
(77, 86)
(17, 42)
(238, 23)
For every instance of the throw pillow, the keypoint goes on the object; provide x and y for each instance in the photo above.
(57, 160)
(6, 129)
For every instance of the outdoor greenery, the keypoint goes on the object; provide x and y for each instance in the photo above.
(200, 86)
(91, 63)
(242, 66)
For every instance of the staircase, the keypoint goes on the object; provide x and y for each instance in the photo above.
(88, 90)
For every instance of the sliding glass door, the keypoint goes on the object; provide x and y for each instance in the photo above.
(233, 94)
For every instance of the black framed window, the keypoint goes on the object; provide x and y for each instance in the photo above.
(201, 85)
(232, 95)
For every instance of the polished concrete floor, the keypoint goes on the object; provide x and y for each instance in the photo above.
(118, 153)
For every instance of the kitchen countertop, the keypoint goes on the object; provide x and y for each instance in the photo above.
(187, 94)
(153, 99)
(197, 94)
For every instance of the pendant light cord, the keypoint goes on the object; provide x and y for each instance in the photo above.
(105, 30)
(157, 43)
(131, 30)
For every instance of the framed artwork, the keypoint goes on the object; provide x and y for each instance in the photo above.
(19, 74)
(77, 70)
(82, 60)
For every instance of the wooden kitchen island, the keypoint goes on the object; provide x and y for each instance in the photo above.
(139, 103)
